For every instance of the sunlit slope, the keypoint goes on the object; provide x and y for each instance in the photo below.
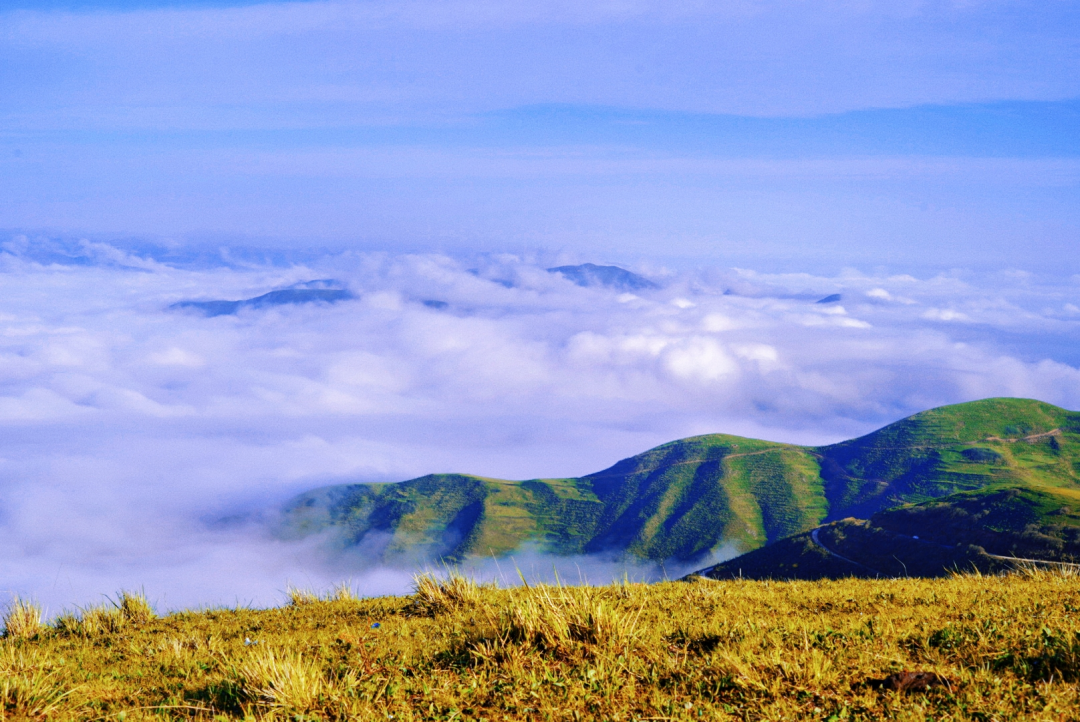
(953, 448)
(679, 500)
(450, 516)
(686, 498)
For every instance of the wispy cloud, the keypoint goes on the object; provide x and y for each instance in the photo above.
(747, 58)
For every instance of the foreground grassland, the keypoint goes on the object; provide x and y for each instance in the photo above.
(1005, 647)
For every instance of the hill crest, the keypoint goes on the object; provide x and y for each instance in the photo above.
(687, 498)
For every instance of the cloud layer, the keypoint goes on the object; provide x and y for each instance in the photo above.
(147, 447)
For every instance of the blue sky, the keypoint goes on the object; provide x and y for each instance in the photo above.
(922, 134)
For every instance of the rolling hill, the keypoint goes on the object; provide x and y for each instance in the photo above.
(993, 529)
(686, 498)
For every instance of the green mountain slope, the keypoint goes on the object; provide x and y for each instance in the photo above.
(953, 448)
(679, 500)
(687, 498)
(1028, 522)
(450, 516)
(986, 530)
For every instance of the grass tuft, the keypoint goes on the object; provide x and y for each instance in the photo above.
(342, 593)
(22, 620)
(100, 620)
(283, 680)
(299, 597)
(129, 608)
(27, 689)
(558, 618)
(432, 595)
(1047, 571)
(134, 607)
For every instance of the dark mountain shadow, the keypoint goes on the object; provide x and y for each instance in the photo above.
(591, 275)
(321, 291)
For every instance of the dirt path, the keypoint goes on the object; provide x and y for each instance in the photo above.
(1047, 562)
(999, 557)
(1033, 437)
(827, 550)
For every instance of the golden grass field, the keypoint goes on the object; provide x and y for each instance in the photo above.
(996, 648)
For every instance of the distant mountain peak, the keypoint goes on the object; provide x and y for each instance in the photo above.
(591, 275)
(325, 290)
(319, 283)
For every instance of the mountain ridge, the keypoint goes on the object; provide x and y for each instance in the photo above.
(992, 530)
(688, 498)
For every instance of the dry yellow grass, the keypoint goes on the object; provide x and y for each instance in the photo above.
(1002, 647)
(22, 620)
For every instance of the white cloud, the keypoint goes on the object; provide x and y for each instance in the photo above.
(177, 357)
(757, 352)
(717, 322)
(945, 314)
(127, 426)
(701, 359)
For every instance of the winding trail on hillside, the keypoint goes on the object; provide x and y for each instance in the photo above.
(1021, 560)
(962, 442)
(1033, 437)
(1015, 560)
(830, 552)
(1000, 557)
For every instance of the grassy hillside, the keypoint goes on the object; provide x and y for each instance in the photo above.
(688, 497)
(450, 516)
(858, 549)
(950, 449)
(679, 500)
(966, 531)
(965, 648)
(1029, 522)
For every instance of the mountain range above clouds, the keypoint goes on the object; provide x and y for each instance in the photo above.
(328, 290)
(720, 495)
(590, 274)
(320, 291)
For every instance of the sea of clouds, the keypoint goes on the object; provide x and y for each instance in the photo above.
(149, 448)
